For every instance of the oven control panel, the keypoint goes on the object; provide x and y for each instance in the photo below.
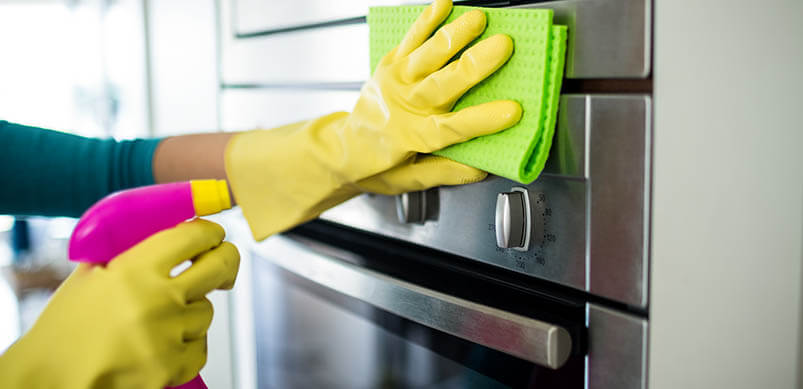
(583, 223)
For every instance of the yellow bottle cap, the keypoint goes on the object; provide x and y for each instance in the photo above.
(210, 196)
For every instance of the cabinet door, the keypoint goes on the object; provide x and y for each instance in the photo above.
(243, 109)
(255, 16)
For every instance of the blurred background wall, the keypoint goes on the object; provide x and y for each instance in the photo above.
(101, 68)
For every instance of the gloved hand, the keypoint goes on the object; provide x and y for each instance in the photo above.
(128, 324)
(289, 175)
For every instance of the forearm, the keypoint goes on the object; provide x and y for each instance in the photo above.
(188, 157)
(52, 173)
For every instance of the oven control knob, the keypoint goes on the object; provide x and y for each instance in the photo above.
(412, 207)
(513, 219)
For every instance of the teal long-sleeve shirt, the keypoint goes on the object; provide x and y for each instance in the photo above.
(50, 173)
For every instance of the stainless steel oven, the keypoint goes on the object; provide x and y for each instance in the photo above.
(494, 284)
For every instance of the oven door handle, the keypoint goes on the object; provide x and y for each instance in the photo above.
(536, 341)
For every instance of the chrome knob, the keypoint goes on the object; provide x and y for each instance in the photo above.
(412, 207)
(513, 219)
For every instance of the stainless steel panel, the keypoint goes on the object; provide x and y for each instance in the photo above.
(536, 341)
(568, 154)
(607, 38)
(617, 350)
(618, 162)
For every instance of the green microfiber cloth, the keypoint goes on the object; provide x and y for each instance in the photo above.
(532, 77)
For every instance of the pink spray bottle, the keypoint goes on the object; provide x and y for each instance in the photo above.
(123, 219)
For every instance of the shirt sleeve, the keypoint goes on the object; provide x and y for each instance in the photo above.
(51, 173)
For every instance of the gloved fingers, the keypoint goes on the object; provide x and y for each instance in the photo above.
(445, 86)
(426, 171)
(423, 27)
(197, 319)
(166, 249)
(192, 360)
(214, 269)
(444, 45)
(468, 123)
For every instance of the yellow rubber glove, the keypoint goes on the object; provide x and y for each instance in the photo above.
(128, 324)
(286, 176)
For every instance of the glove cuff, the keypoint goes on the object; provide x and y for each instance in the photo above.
(279, 178)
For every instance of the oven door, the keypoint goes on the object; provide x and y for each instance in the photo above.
(339, 308)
